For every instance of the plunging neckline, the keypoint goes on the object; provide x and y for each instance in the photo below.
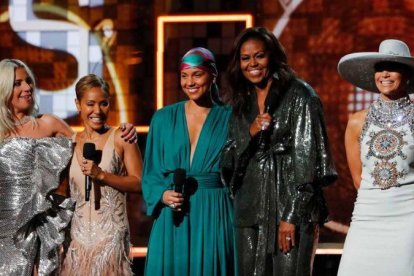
(200, 135)
(106, 142)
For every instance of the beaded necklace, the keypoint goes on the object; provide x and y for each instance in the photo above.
(23, 121)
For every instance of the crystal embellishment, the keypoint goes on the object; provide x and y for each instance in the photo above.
(387, 143)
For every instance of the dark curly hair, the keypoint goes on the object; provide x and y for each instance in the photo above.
(237, 86)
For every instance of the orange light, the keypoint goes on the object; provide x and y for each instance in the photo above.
(247, 18)
(329, 251)
(323, 249)
(139, 129)
(138, 252)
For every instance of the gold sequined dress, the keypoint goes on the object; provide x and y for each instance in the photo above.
(100, 230)
(380, 241)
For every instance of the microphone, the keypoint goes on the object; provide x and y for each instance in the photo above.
(264, 134)
(179, 180)
(88, 154)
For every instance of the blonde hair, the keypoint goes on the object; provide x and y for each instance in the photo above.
(7, 77)
(88, 82)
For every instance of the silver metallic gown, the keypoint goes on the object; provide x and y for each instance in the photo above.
(32, 221)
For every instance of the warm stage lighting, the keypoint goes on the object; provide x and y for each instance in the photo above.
(247, 18)
(323, 249)
(161, 21)
(139, 129)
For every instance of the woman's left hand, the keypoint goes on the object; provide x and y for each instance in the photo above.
(89, 168)
(129, 133)
(286, 236)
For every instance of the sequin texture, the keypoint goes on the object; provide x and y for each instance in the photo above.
(281, 183)
(386, 133)
(29, 218)
(99, 229)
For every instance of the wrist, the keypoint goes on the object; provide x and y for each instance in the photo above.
(101, 176)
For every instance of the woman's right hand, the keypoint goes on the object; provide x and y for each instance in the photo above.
(261, 122)
(173, 200)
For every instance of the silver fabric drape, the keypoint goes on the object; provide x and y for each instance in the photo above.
(32, 223)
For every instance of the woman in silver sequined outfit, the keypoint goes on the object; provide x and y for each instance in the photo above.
(32, 220)
(380, 151)
(34, 152)
(276, 160)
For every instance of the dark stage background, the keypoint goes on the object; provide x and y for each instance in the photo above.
(62, 40)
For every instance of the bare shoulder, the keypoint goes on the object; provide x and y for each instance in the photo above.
(357, 118)
(356, 121)
(49, 118)
(56, 125)
(120, 141)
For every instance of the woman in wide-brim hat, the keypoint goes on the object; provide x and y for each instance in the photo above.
(380, 150)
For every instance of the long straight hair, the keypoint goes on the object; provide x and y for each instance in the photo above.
(7, 76)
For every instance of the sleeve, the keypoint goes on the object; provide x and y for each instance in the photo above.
(153, 180)
(228, 157)
(42, 211)
(312, 165)
(236, 155)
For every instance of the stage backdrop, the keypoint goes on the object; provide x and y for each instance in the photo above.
(117, 39)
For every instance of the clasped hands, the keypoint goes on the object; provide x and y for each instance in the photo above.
(262, 122)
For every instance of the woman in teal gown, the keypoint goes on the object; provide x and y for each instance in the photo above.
(192, 232)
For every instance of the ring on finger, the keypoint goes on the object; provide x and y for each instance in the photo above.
(288, 238)
(172, 205)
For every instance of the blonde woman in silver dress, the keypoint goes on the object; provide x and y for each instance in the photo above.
(34, 151)
(379, 144)
(99, 230)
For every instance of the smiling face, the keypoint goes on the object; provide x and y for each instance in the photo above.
(254, 61)
(93, 106)
(391, 80)
(195, 83)
(22, 101)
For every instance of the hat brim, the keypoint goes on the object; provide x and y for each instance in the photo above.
(359, 68)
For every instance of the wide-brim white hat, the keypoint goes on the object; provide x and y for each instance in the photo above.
(359, 68)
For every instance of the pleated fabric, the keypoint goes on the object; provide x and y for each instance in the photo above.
(32, 222)
(202, 241)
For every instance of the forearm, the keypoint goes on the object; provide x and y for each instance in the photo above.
(121, 183)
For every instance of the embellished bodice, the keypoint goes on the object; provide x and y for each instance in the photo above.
(387, 144)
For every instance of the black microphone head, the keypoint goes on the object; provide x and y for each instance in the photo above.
(179, 176)
(89, 151)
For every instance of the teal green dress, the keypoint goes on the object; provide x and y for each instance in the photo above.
(203, 242)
